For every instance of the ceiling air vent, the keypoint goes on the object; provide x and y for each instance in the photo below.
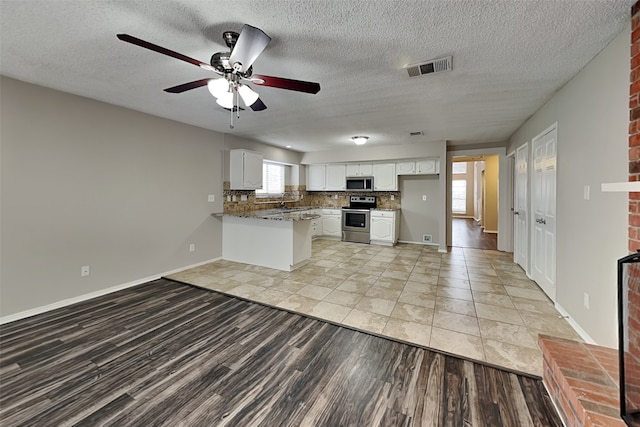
(430, 67)
(418, 133)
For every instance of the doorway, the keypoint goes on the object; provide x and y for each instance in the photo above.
(470, 211)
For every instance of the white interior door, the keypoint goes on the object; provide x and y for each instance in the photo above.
(543, 259)
(520, 208)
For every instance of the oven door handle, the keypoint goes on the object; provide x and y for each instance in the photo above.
(356, 210)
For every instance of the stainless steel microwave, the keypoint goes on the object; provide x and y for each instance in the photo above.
(360, 183)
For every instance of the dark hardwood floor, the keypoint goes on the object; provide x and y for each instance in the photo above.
(466, 233)
(169, 354)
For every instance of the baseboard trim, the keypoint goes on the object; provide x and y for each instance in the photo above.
(419, 243)
(80, 298)
(583, 334)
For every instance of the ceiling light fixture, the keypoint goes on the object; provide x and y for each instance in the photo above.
(218, 87)
(360, 140)
(249, 97)
(225, 100)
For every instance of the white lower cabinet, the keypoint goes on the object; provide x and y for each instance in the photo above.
(385, 227)
(316, 224)
(332, 222)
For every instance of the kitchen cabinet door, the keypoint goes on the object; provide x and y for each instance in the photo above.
(316, 175)
(245, 170)
(382, 229)
(336, 177)
(427, 167)
(332, 223)
(384, 177)
(406, 168)
(359, 169)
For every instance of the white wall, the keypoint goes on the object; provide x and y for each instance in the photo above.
(88, 183)
(593, 117)
(418, 216)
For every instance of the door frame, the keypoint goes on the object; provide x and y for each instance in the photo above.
(527, 202)
(505, 235)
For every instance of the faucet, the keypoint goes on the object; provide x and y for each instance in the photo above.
(282, 201)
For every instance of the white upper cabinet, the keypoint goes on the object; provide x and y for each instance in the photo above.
(428, 166)
(406, 168)
(335, 178)
(419, 167)
(359, 169)
(245, 170)
(384, 177)
(316, 175)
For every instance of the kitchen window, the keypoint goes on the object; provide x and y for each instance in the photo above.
(272, 180)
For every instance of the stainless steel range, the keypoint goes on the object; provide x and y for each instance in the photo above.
(356, 219)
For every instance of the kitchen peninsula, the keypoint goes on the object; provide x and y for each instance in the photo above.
(275, 238)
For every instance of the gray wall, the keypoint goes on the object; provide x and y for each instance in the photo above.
(87, 183)
(593, 117)
(419, 217)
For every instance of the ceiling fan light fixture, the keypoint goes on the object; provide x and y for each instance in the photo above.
(218, 87)
(360, 140)
(225, 100)
(249, 96)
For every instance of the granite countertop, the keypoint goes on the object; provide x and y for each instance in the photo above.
(287, 214)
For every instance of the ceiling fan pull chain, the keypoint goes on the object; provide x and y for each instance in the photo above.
(231, 121)
(237, 103)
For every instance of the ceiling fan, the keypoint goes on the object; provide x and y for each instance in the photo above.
(234, 67)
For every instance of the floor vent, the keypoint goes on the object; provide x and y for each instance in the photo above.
(427, 238)
(431, 67)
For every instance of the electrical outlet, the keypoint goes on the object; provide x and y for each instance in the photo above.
(335, 196)
(424, 198)
(192, 247)
(427, 238)
(211, 198)
(586, 301)
(84, 271)
(393, 197)
(228, 198)
(234, 198)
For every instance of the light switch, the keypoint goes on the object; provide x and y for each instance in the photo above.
(587, 192)
(243, 197)
(211, 198)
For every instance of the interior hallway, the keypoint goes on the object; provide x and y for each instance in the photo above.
(466, 233)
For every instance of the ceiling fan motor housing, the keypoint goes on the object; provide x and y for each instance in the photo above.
(220, 61)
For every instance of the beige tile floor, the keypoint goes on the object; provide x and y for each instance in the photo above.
(470, 302)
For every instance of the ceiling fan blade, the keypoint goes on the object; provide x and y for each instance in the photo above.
(139, 42)
(282, 83)
(251, 42)
(187, 86)
(258, 105)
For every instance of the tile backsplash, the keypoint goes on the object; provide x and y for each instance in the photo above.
(239, 201)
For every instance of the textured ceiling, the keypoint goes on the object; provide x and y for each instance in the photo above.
(509, 57)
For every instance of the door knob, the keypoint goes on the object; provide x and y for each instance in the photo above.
(516, 213)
